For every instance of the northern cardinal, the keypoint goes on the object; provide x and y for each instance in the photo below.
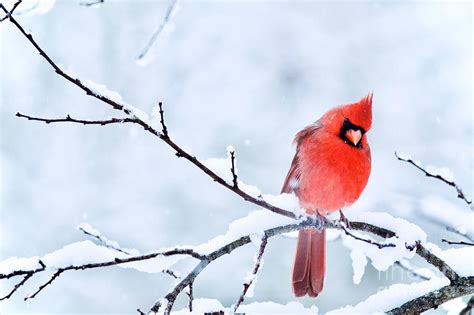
(329, 172)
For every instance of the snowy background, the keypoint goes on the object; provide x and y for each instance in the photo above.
(250, 74)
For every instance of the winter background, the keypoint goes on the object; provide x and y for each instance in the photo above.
(250, 74)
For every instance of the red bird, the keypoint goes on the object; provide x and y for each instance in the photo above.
(329, 172)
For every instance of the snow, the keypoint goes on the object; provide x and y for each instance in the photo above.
(447, 213)
(201, 306)
(30, 7)
(102, 90)
(444, 172)
(15, 263)
(359, 261)
(407, 234)
(254, 223)
(393, 296)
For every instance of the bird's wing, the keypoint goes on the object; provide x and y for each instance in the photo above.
(292, 178)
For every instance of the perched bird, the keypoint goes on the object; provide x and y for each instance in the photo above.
(330, 170)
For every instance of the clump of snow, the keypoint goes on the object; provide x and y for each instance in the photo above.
(138, 113)
(448, 214)
(393, 296)
(444, 172)
(254, 223)
(460, 259)
(15, 263)
(101, 89)
(382, 258)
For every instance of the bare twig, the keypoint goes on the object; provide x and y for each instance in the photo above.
(10, 13)
(458, 232)
(190, 296)
(461, 194)
(411, 271)
(19, 284)
(457, 243)
(161, 27)
(437, 262)
(256, 267)
(164, 130)
(79, 121)
(44, 285)
(232, 169)
(91, 3)
(103, 241)
(379, 245)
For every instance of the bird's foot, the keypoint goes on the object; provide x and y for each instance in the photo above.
(344, 219)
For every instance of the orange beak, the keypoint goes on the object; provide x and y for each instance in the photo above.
(354, 136)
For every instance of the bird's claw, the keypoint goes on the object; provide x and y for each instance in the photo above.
(344, 219)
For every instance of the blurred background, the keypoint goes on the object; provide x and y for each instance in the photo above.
(250, 74)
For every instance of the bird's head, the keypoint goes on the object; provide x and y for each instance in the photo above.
(350, 122)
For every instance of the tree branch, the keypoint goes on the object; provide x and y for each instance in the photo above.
(80, 121)
(256, 267)
(457, 243)
(469, 307)
(161, 27)
(461, 194)
(463, 286)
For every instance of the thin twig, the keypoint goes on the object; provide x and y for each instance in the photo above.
(457, 243)
(19, 284)
(461, 194)
(411, 271)
(164, 130)
(9, 14)
(79, 121)
(103, 241)
(256, 267)
(92, 3)
(232, 169)
(190, 296)
(379, 245)
(44, 285)
(161, 27)
(463, 234)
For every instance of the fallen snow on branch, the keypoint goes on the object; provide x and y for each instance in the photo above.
(253, 224)
(448, 214)
(201, 306)
(393, 296)
(407, 234)
(81, 253)
(222, 167)
(101, 89)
